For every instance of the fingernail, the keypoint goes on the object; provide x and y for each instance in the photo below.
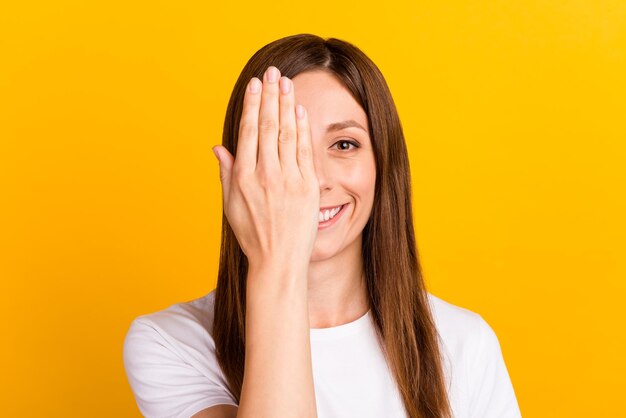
(216, 154)
(272, 74)
(285, 85)
(254, 86)
(300, 111)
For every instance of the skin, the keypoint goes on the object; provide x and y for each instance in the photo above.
(346, 174)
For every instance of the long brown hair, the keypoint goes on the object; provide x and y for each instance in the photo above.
(396, 290)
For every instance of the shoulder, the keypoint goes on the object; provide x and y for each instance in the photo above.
(187, 323)
(464, 334)
(184, 329)
(456, 324)
(474, 364)
(170, 362)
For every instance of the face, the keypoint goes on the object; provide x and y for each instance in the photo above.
(343, 157)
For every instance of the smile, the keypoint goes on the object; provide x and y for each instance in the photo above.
(329, 216)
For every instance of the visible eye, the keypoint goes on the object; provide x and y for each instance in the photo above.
(346, 145)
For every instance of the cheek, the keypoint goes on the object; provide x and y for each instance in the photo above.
(360, 178)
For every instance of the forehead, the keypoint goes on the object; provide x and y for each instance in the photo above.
(326, 100)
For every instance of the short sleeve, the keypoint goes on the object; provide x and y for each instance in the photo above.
(492, 394)
(163, 382)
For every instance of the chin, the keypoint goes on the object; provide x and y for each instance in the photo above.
(320, 254)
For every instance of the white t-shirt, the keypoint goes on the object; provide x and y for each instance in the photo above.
(169, 357)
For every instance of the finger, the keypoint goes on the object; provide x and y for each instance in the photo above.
(225, 160)
(287, 134)
(304, 147)
(248, 140)
(268, 122)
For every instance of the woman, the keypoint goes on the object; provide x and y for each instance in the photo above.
(320, 297)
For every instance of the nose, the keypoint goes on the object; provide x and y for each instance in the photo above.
(321, 170)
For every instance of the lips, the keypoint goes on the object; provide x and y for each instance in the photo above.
(331, 221)
(328, 213)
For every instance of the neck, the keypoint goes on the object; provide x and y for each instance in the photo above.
(336, 288)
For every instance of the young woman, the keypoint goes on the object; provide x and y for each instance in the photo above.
(320, 308)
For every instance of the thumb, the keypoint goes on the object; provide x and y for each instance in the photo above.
(225, 160)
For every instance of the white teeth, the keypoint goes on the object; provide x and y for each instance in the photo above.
(328, 214)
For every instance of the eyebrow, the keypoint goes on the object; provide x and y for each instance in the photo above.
(337, 126)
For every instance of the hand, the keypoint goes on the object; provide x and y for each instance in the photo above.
(271, 203)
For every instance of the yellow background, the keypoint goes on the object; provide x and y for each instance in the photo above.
(515, 118)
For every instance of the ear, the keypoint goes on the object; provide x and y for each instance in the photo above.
(226, 161)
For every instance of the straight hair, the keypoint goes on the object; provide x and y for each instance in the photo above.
(397, 294)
